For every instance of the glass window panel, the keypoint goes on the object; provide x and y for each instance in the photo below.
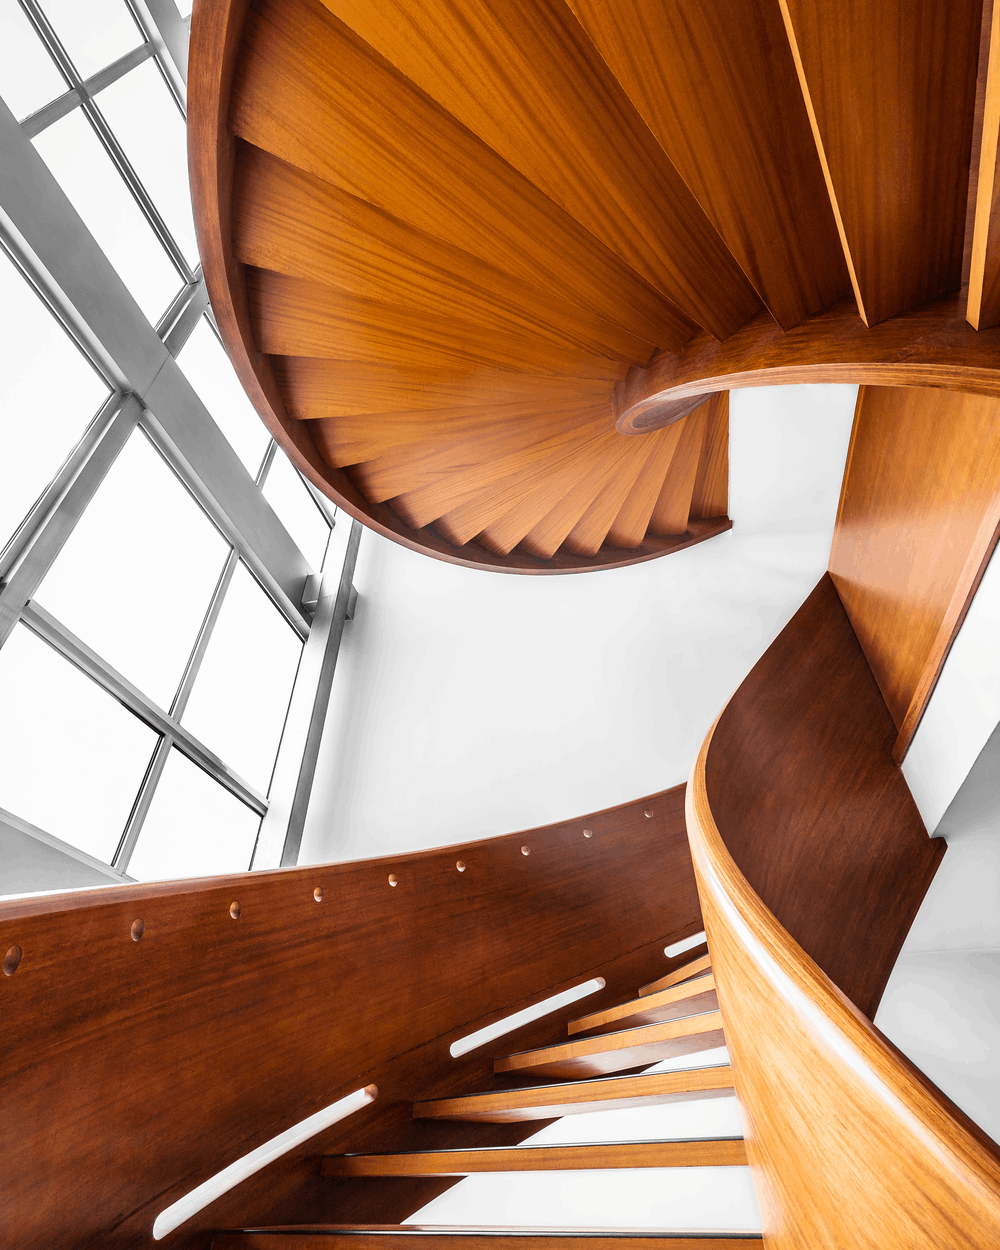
(194, 827)
(240, 697)
(94, 33)
(288, 496)
(148, 125)
(135, 577)
(48, 394)
(76, 156)
(28, 76)
(71, 758)
(207, 366)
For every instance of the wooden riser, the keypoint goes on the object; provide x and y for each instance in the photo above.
(703, 1153)
(690, 998)
(702, 964)
(548, 1102)
(619, 1052)
(430, 1237)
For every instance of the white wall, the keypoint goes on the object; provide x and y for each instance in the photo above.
(470, 703)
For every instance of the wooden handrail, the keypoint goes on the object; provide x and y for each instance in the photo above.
(850, 1144)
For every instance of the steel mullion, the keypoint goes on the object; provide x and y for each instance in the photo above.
(38, 552)
(106, 135)
(169, 33)
(194, 663)
(142, 804)
(58, 108)
(74, 649)
(181, 319)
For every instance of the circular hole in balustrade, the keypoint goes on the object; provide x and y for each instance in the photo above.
(525, 850)
(137, 930)
(11, 961)
(393, 879)
(648, 813)
(234, 910)
(318, 894)
(459, 865)
(588, 833)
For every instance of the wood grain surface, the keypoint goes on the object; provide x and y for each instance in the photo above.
(684, 973)
(530, 84)
(697, 1153)
(890, 86)
(984, 190)
(384, 1237)
(918, 521)
(187, 1049)
(852, 1148)
(716, 84)
(546, 1102)
(690, 998)
(931, 346)
(711, 485)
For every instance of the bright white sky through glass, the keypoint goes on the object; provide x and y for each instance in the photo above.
(195, 828)
(93, 32)
(136, 575)
(289, 497)
(71, 757)
(76, 156)
(240, 697)
(207, 366)
(28, 78)
(39, 358)
(148, 125)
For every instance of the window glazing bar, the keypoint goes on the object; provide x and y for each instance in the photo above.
(42, 118)
(114, 149)
(39, 548)
(143, 800)
(89, 662)
(169, 33)
(180, 320)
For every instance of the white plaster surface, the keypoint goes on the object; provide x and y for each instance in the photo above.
(469, 704)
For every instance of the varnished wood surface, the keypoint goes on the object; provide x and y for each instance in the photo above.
(918, 521)
(711, 485)
(186, 1050)
(851, 1147)
(812, 807)
(570, 129)
(716, 83)
(694, 1153)
(891, 89)
(617, 1052)
(984, 262)
(438, 1237)
(689, 998)
(932, 346)
(545, 1102)
(691, 969)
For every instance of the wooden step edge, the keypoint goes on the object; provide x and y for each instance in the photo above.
(276, 1236)
(580, 1097)
(702, 964)
(697, 988)
(604, 1043)
(677, 1152)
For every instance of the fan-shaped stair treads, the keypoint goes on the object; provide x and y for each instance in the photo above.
(425, 504)
(589, 533)
(673, 507)
(570, 129)
(733, 122)
(341, 121)
(293, 222)
(629, 527)
(711, 485)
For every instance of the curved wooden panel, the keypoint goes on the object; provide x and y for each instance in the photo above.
(794, 797)
(134, 1070)
(932, 346)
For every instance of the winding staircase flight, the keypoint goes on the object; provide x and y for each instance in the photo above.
(489, 272)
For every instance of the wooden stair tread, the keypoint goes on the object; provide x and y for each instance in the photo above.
(547, 1102)
(688, 998)
(617, 1052)
(702, 964)
(629, 527)
(673, 506)
(308, 1235)
(674, 1152)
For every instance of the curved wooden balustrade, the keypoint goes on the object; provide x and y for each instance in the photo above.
(851, 1146)
(931, 346)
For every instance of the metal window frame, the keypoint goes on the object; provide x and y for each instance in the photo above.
(47, 240)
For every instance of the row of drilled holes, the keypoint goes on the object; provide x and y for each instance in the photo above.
(13, 957)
